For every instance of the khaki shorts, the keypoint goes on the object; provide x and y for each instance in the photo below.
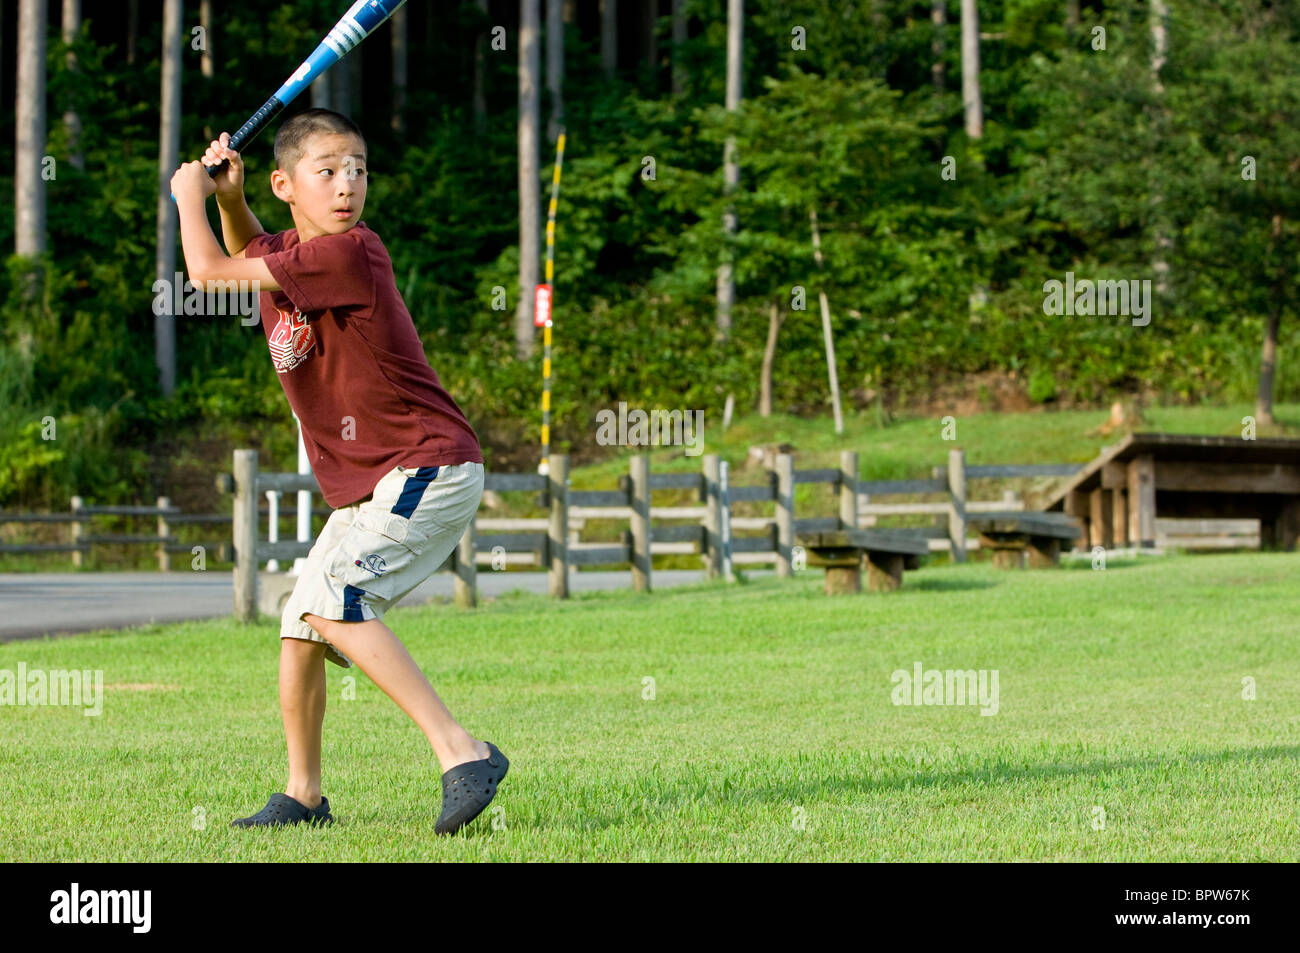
(371, 554)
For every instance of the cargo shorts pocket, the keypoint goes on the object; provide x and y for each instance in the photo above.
(458, 501)
(376, 545)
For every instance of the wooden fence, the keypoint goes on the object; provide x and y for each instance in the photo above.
(709, 529)
(81, 517)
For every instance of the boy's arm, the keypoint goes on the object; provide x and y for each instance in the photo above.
(204, 259)
(238, 224)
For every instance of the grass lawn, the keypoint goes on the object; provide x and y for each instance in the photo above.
(771, 735)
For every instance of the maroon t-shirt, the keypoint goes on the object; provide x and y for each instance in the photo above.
(352, 365)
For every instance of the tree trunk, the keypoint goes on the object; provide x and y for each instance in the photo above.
(1268, 357)
(29, 141)
(132, 29)
(555, 66)
(970, 70)
(679, 40)
(1163, 241)
(939, 19)
(609, 37)
(650, 45)
(71, 121)
(775, 317)
(480, 69)
(169, 137)
(320, 92)
(398, 119)
(205, 21)
(345, 83)
(731, 168)
(529, 211)
(831, 372)
(1267, 368)
(1071, 15)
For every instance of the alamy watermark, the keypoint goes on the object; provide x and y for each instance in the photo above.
(1101, 297)
(933, 686)
(179, 297)
(637, 428)
(57, 687)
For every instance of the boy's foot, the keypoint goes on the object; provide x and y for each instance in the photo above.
(283, 810)
(468, 788)
(480, 752)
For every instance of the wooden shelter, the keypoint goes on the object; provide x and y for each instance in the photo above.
(1118, 496)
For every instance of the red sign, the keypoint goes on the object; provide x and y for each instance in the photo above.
(542, 306)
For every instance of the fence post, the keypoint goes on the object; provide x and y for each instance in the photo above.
(639, 474)
(784, 515)
(712, 518)
(848, 489)
(724, 516)
(465, 565)
(957, 513)
(77, 531)
(164, 558)
(273, 527)
(245, 535)
(558, 531)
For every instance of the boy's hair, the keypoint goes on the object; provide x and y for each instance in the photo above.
(291, 139)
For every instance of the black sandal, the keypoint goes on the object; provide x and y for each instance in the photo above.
(283, 810)
(468, 788)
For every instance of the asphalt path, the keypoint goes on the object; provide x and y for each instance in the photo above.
(33, 605)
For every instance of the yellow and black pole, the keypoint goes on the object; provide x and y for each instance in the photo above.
(542, 309)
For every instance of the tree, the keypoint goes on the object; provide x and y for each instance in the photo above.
(679, 41)
(1159, 49)
(529, 123)
(205, 21)
(480, 66)
(970, 69)
(939, 19)
(609, 37)
(169, 137)
(731, 167)
(132, 29)
(71, 121)
(398, 120)
(1071, 15)
(29, 142)
(555, 66)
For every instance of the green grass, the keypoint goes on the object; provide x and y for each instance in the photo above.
(909, 447)
(1119, 689)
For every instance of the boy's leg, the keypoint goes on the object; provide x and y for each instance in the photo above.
(373, 647)
(302, 706)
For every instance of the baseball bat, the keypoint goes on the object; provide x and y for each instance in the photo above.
(354, 26)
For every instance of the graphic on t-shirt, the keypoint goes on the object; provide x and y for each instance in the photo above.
(292, 341)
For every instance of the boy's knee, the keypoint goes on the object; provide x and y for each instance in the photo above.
(301, 650)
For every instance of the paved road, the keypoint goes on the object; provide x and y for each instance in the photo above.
(37, 604)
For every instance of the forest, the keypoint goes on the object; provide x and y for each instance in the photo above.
(959, 162)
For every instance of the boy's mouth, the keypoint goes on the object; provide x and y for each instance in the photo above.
(343, 213)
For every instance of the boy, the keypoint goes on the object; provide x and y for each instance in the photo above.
(390, 448)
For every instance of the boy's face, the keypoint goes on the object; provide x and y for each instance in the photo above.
(327, 188)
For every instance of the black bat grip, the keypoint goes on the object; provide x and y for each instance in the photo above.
(245, 133)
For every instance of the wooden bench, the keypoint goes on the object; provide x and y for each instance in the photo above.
(1011, 535)
(888, 553)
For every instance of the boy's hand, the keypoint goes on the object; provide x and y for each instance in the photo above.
(192, 179)
(230, 180)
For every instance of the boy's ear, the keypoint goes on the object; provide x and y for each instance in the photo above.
(281, 185)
